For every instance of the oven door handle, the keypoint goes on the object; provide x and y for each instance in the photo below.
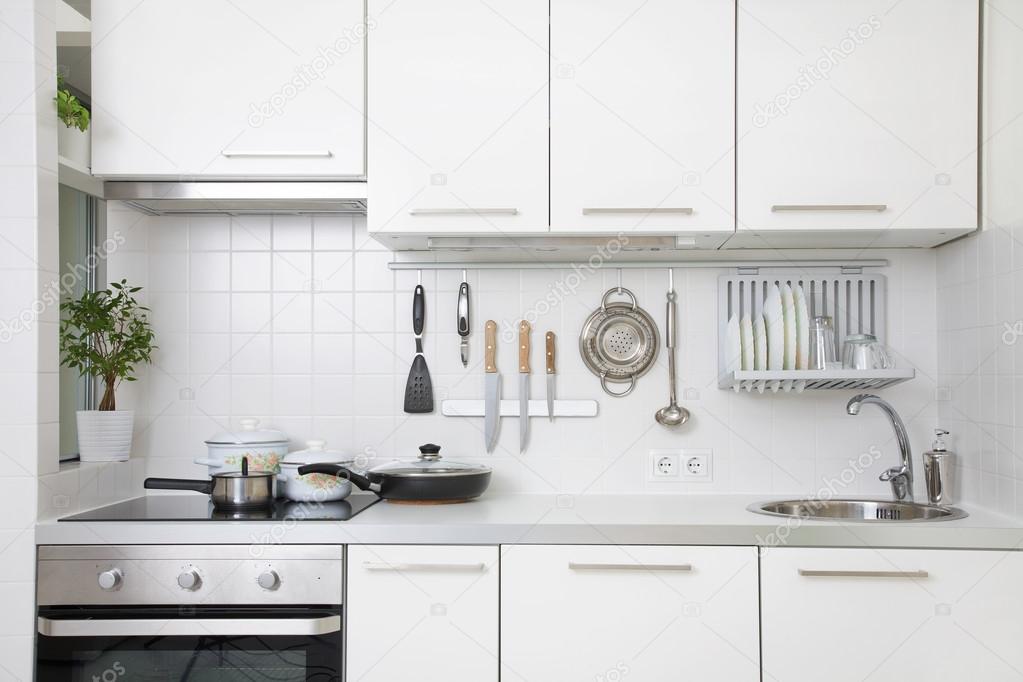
(217, 627)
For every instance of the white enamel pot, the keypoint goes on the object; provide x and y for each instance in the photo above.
(313, 487)
(264, 449)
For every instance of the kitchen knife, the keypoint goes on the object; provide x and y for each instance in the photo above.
(550, 375)
(523, 385)
(492, 385)
(463, 322)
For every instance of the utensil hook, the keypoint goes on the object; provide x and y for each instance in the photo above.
(619, 281)
(419, 277)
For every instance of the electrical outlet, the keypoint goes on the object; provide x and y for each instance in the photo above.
(664, 464)
(679, 465)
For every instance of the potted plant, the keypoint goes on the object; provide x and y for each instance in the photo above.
(73, 136)
(106, 334)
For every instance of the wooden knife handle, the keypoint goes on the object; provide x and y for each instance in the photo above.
(524, 347)
(550, 352)
(490, 344)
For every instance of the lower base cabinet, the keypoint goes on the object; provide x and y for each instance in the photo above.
(864, 615)
(612, 613)
(424, 613)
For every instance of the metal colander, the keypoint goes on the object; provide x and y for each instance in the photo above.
(619, 342)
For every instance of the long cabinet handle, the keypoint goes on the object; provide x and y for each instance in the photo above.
(813, 573)
(153, 627)
(580, 566)
(612, 211)
(866, 208)
(464, 211)
(276, 153)
(452, 567)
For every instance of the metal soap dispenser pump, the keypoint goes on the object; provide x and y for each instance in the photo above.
(938, 464)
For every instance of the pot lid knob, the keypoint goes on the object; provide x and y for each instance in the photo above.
(249, 424)
(316, 445)
(429, 452)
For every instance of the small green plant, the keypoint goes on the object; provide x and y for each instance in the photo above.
(72, 112)
(106, 334)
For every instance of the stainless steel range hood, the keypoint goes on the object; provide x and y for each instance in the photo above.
(239, 198)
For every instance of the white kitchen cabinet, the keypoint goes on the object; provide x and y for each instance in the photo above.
(422, 613)
(458, 117)
(215, 88)
(642, 117)
(618, 613)
(849, 615)
(857, 122)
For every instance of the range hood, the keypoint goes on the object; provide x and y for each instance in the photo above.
(239, 198)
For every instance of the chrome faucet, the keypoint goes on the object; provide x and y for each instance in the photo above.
(901, 477)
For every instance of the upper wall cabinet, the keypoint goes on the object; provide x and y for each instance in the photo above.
(458, 117)
(221, 89)
(857, 122)
(642, 117)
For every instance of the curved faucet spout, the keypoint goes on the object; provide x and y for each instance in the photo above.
(901, 477)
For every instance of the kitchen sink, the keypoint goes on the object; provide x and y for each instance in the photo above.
(857, 510)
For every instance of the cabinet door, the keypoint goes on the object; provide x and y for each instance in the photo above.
(849, 615)
(645, 613)
(216, 88)
(642, 117)
(458, 117)
(857, 122)
(422, 613)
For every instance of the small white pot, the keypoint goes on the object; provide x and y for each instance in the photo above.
(105, 436)
(313, 487)
(75, 145)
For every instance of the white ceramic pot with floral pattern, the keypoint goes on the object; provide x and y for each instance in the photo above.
(264, 448)
(313, 487)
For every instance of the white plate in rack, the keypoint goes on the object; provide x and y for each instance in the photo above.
(775, 322)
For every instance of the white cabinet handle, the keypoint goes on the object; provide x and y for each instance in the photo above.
(278, 153)
(384, 566)
(464, 211)
(578, 566)
(875, 208)
(812, 573)
(612, 211)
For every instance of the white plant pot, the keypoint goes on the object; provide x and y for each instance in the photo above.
(74, 145)
(105, 436)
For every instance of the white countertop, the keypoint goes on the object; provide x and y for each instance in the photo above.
(559, 519)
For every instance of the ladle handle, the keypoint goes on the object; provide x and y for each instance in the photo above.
(669, 331)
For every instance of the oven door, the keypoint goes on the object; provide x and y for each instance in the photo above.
(188, 644)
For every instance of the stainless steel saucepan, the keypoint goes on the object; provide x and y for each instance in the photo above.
(230, 490)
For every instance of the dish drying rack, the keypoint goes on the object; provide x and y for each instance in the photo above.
(856, 303)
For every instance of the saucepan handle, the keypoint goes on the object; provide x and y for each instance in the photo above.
(205, 487)
(339, 471)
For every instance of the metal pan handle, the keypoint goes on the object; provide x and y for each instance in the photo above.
(620, 291)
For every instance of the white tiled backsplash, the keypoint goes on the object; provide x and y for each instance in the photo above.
(298, 321)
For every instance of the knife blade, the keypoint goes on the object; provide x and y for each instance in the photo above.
(492, 385)
(463, 322)
(550, 375)
(523, 384)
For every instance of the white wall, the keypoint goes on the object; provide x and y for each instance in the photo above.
(299, 321)
(28, 366)
(980, 289)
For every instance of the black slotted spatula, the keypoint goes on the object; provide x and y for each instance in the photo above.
(419, 387)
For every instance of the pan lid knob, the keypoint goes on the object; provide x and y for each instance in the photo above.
(429, 452)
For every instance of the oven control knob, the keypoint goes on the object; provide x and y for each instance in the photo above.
(189, 580)
(269, 580)
(110, 580)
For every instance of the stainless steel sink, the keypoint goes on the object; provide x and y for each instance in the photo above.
(857, 510)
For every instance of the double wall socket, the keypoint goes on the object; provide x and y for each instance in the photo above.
(679, 465)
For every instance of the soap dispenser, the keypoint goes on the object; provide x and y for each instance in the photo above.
(938, 464)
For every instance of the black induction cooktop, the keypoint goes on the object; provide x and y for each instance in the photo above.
(199, 508)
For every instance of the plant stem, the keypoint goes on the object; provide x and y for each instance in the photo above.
(107, 404)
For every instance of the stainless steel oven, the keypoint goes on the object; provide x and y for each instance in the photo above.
(190, 613)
